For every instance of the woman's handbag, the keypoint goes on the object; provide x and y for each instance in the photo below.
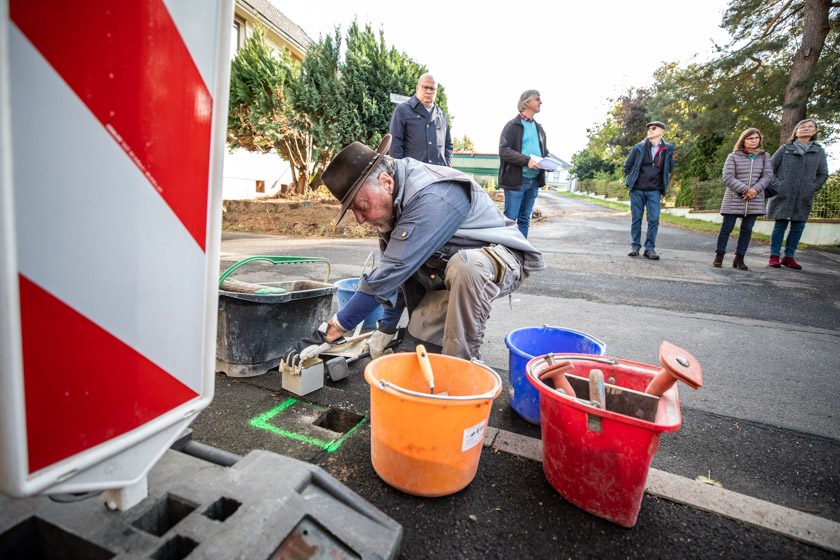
(769, 191)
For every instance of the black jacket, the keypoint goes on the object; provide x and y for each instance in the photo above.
(512, 160)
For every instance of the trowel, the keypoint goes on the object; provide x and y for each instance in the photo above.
(426, 368)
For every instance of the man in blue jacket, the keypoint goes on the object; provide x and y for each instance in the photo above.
(647, 172)
(419, 127)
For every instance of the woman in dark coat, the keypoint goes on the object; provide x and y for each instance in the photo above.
(800, 168)
(746, 173)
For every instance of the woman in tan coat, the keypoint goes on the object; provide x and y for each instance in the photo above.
(747, 172)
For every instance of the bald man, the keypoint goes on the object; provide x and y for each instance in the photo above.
(419, 127)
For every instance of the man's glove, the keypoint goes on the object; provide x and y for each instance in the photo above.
(377, 342)
(309, 347)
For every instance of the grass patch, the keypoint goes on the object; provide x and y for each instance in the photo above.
(686, 223)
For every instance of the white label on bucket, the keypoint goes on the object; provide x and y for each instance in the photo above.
(473, 436)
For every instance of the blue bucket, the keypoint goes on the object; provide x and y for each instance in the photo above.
(346, 289)
(525, 344)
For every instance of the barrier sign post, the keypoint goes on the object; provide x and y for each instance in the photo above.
(112, 126)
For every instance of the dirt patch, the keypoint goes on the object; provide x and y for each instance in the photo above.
(313, 217)
(310, 216)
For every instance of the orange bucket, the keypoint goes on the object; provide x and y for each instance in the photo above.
(428, 444)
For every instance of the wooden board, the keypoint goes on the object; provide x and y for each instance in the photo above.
(620, 399)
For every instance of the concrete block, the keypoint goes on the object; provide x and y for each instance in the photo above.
(311, 378)
(264, 506)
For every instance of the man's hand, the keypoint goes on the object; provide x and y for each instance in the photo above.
(533, 163)
(309, 347)
(377, 342)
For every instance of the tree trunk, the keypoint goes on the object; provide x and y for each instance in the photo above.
(815, 30)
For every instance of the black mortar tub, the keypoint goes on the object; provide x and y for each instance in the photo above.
(255, 329)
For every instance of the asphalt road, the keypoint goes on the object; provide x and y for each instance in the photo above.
(764, 424)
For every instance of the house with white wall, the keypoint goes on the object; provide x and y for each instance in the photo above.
(251, 174)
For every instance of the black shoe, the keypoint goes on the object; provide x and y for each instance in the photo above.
(651, 254)
(633, 253)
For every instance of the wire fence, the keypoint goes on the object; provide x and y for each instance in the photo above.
(610, 189)
(827, 200)
(708, 195)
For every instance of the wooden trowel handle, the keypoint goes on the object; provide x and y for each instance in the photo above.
(426, 367)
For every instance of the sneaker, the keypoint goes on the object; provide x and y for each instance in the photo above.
(774, 261)
(651, 254)
(634, 252)
(790, 263)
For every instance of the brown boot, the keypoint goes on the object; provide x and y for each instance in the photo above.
(739, 263)
(718, 260)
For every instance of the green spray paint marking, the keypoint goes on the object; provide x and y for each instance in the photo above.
(263, 422)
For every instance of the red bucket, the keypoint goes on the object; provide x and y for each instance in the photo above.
(603, 472)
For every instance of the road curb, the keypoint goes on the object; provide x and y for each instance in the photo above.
(791, 523)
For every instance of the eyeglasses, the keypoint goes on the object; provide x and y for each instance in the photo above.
(428, 88)
(753, 138)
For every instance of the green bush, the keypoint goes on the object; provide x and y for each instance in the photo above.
(685, 193)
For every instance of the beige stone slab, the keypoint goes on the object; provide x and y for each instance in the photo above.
(791, 523)
(788, 522)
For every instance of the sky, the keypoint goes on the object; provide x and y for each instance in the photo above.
(578, 55)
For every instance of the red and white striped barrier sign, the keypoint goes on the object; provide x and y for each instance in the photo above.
(112, 116)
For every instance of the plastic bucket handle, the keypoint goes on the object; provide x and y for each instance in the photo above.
(276, 260)
(491, 394)
(552, 359)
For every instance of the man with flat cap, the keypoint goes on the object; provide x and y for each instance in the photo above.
(447, 252)
(647, 172)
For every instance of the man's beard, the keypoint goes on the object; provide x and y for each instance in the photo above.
(383, 228)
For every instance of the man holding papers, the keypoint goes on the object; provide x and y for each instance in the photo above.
(521, 147)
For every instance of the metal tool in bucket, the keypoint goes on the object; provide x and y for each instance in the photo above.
(526, 343)
(422, 443)
(348, 286)
(601, 431)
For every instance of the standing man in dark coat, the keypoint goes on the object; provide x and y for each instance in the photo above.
(647, 172)
(521, 146)
(419, 127)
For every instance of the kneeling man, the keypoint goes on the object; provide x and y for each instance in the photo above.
(447, 252)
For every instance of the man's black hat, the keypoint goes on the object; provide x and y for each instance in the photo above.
(346, 173)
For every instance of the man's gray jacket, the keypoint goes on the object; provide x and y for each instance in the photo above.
(485, 222)
(483, 225)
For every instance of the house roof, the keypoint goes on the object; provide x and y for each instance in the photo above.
(282, 25)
